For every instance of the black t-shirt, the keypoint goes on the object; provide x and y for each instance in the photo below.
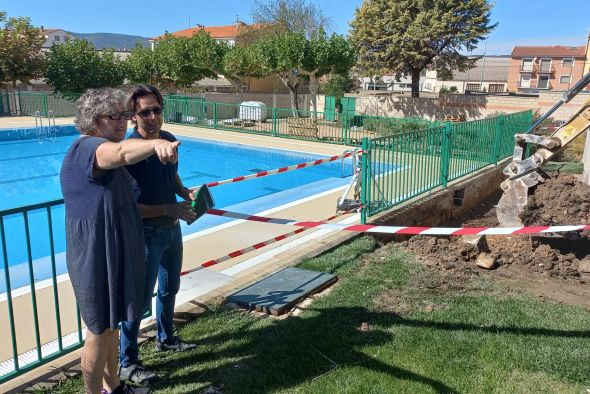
(156, 181)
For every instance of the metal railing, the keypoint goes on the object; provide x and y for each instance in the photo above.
(285, 122)
(28, 103)
(46, 342)
(399, 167)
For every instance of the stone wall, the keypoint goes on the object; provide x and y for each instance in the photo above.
(472, 106)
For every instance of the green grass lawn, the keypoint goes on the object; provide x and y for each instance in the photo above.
(429, 331)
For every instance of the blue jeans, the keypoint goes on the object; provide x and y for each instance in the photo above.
(163, 254)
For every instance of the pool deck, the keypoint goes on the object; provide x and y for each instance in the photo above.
(205, 285)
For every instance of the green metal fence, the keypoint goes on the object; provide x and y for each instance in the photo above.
(283, 122)
(402, 166)
(29, 103)
(48, 343)
(59, 105)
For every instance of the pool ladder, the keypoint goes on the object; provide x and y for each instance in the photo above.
(48, 132)
(350, 204)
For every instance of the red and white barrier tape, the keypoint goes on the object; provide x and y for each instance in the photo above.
(370, 228)
(280, 170)
(257, 246)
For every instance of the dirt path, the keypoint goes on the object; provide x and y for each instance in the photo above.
(554, 267)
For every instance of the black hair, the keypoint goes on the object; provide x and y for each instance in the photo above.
(139, 91)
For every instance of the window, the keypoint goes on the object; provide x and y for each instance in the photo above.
(525, 81)
(527, 64)
(545, 66)
(474, 87)
(56, 38)
(543, 82)
(567, 62)
(496, 88)
(564, 79)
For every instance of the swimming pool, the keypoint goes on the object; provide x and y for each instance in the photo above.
(29, 174)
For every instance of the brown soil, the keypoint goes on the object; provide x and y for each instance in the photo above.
(555, 267)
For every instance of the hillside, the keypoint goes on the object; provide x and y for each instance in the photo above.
(112, 40)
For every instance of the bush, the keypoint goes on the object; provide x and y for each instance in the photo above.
(392, 126)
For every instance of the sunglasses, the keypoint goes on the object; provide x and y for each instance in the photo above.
(146, 112)
(125, 115)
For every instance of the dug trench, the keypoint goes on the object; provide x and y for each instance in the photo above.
(555, 267)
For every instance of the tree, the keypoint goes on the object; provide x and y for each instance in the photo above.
(283, 56)
(338, 84)
(240, 62)
(295, 16)
(20, 50)
(322, 56)
(141, 65)
(182, 61)
(74, 66)
(406, 36)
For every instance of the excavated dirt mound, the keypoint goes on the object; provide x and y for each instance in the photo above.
(561, 200)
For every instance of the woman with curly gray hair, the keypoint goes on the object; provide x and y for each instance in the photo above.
(104, 232)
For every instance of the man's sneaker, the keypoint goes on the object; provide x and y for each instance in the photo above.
(138, 374)
(177, 345)
(124, 388)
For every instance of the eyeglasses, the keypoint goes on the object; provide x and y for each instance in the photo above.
(125, 115)
(146, 112)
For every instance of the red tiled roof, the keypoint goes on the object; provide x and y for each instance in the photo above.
(219, 32)
(549, 51)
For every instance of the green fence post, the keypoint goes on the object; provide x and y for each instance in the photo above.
(19, 110)
(44, 105)
(445, 154)
(498, 137)
(365, 177)
(274, 122)
(215, 115)
(345, 121)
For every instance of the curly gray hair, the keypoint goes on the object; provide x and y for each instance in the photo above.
(96, 103)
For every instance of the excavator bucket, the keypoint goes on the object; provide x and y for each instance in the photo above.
(524, 173)
(514, 199)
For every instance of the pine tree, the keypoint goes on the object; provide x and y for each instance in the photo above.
(406, 36)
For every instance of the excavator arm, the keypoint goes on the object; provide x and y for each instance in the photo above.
(523, 173)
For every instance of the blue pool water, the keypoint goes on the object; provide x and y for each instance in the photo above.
(29, 174)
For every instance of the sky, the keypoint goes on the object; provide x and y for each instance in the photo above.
(520, 22)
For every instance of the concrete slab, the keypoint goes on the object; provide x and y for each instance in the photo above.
(279, 292)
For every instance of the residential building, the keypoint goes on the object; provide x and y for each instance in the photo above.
(54, 36)
(490, 74)
(390, 83)
(536, 68)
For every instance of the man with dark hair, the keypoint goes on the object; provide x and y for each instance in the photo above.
(159, 184)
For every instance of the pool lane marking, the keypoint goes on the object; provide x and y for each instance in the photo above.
(409, 230)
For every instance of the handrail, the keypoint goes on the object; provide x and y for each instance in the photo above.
(52, 131)
(47, 343)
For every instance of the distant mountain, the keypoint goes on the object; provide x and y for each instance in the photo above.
(110, 40)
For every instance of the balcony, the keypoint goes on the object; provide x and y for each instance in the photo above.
(537, 68)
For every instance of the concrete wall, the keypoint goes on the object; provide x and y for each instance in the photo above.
(442, 206)
(472, 106)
